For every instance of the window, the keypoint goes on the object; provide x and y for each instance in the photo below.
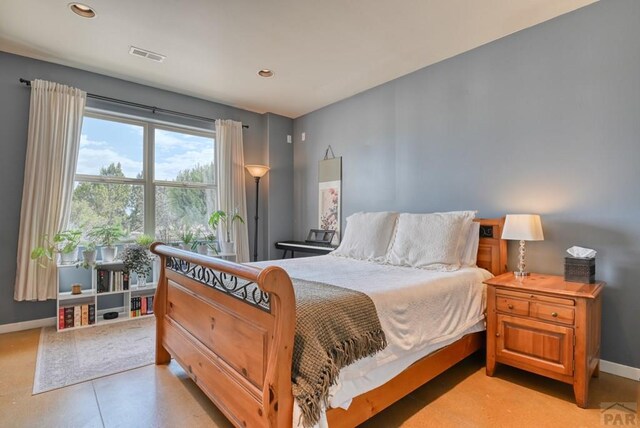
(185, 193)
(143, 176)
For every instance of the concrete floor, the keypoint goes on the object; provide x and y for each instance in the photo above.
(163, 396)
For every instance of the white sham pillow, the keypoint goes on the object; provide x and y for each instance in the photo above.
(470, 254)
(464, 233)
(367, 236)
(429, 241)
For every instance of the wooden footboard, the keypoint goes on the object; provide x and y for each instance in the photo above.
(231, 328)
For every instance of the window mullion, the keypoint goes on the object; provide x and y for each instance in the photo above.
(107, 179)
(184, 185)
(149, 187)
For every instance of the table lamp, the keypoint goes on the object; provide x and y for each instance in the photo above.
(522, 227)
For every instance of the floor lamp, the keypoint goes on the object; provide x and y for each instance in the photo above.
(257, 172)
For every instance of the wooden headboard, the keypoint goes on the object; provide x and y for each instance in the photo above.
(492, 250)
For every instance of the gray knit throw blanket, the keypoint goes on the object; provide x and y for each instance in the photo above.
(335, 326)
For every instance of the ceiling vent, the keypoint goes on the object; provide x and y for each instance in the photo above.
(143, 53)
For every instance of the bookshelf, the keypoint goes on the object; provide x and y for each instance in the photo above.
(100, 295)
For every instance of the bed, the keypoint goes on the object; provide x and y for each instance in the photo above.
(235, 339)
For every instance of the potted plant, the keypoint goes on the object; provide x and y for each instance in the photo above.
(212, 244)
(188, 238)
(226, 220)
(107, 236)
(144, 241)
(89, 253)
(64, 243)
(136, 258)
(205, 237)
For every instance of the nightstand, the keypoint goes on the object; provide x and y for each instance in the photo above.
(545, 325)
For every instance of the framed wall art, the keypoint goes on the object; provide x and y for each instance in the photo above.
(330, 196)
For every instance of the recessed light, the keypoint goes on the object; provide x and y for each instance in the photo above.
(265, 72)
(82, 10)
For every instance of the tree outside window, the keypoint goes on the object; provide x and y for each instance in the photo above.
(113, 175)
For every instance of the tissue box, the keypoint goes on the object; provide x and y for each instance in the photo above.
(580, 270)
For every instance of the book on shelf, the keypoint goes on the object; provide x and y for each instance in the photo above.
(60, 318)
(76, 316)
(68, 317)
(92, 314)
(111, 280)
(101, 280)
(84, 311)
(141, 305)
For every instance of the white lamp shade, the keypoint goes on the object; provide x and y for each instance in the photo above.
(257, 170)
(523, 227)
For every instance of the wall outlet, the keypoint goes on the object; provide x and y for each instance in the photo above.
(289, 140)
(304, 136)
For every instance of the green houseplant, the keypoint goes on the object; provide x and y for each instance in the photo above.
(89, 253)
(225, 220)
(136, 258)
(144, 241)
(64, 243)
(188, 238)
(107, 237)
(205, 240)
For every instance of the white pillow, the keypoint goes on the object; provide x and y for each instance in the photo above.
(367, 236)
(429, 241)
(470, 254)
(464, 233)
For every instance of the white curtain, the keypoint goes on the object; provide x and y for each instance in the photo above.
(231, 181)
(55, 122)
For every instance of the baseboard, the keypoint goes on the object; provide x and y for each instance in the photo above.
(621, 370)
(27, 325)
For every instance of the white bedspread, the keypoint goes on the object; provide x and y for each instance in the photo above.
(420, 311)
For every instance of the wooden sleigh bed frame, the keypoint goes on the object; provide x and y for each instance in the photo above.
(235, 340)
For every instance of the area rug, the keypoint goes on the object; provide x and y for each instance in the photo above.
(75, 356)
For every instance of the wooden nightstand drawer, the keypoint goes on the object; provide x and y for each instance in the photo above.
(535, 344)
(512, 306)
(536, 297)
(561, 314)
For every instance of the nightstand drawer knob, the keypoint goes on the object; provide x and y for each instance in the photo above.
(554, 314)
(510, 306)
(497, 334)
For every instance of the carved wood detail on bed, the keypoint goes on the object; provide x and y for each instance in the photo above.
(231, 327)
(492, 249)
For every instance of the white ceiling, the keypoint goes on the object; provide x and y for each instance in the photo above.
(320, 51)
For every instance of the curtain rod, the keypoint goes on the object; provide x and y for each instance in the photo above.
(141, 106)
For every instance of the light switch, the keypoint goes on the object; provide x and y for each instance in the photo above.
(304, 136)
(289, 139)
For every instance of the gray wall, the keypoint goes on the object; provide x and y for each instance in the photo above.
(279, 181)
(545, 120)
(14, 114)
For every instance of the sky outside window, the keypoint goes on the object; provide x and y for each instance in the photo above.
(183, 157)
(105, 142)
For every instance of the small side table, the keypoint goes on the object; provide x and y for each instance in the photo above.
(545, 325)
(303, 247)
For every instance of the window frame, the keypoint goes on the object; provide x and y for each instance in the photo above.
(148, 181)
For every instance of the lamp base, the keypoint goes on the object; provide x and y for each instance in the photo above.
(520, 274)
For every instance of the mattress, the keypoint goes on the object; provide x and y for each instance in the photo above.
(420, 312)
